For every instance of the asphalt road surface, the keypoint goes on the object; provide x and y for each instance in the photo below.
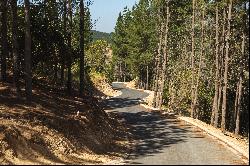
(166, 140)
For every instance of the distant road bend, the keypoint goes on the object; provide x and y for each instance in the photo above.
(161, 140)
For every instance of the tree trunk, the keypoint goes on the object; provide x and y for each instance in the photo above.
(62, 72)
(200, 63)
(158, 59)
(237, 127)
(232, 124)
(65, 32)
(219, 101)
(154, 73)
(192, 56)
(221, 64)
(224, 98)
(215, 105)
(27, 56)
(124, 72)
(69, 81)
(4, 41)
(120, 73)
(152, 86)
(16, 57)
(165, 58)
(81, 89)
(147, 78)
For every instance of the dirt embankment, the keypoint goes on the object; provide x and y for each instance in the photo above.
(57, 129)
(103, 89)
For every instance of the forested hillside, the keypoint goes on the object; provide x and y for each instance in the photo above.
(97, 35)
(192, 54)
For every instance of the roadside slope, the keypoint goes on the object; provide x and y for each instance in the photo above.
(56, 129)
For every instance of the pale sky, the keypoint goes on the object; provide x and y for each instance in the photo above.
(107, 11)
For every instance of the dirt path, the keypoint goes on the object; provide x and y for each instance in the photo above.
(165, 140)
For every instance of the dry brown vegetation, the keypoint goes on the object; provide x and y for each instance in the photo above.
(50, 131)
(102, 87)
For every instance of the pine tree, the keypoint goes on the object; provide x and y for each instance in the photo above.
(16, 56)
(224, 98)
(81, 47)
(27, 57)
(4, 51)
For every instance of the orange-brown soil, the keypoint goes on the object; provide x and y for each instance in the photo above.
(55, 128)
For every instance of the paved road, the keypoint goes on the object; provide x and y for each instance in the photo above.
(161, 140)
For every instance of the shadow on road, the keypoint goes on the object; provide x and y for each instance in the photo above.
(162, 138)
(151, 132)
(115, 103)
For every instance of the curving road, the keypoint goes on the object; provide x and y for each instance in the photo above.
(166, 140)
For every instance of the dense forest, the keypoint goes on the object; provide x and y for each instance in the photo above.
(192, 54)
(44, 39)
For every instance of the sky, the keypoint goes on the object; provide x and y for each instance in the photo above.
(106, 13)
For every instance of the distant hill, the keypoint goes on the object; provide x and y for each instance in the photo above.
(97, 35)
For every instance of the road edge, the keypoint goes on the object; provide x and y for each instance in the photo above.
(228, 141)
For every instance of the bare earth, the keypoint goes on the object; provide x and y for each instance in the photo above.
(57, 129)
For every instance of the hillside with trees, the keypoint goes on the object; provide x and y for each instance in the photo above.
(50, 90)
(64, 94)
(97, 35)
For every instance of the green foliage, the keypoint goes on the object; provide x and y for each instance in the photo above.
(49, 32)
(99, 58)
(134, 39)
